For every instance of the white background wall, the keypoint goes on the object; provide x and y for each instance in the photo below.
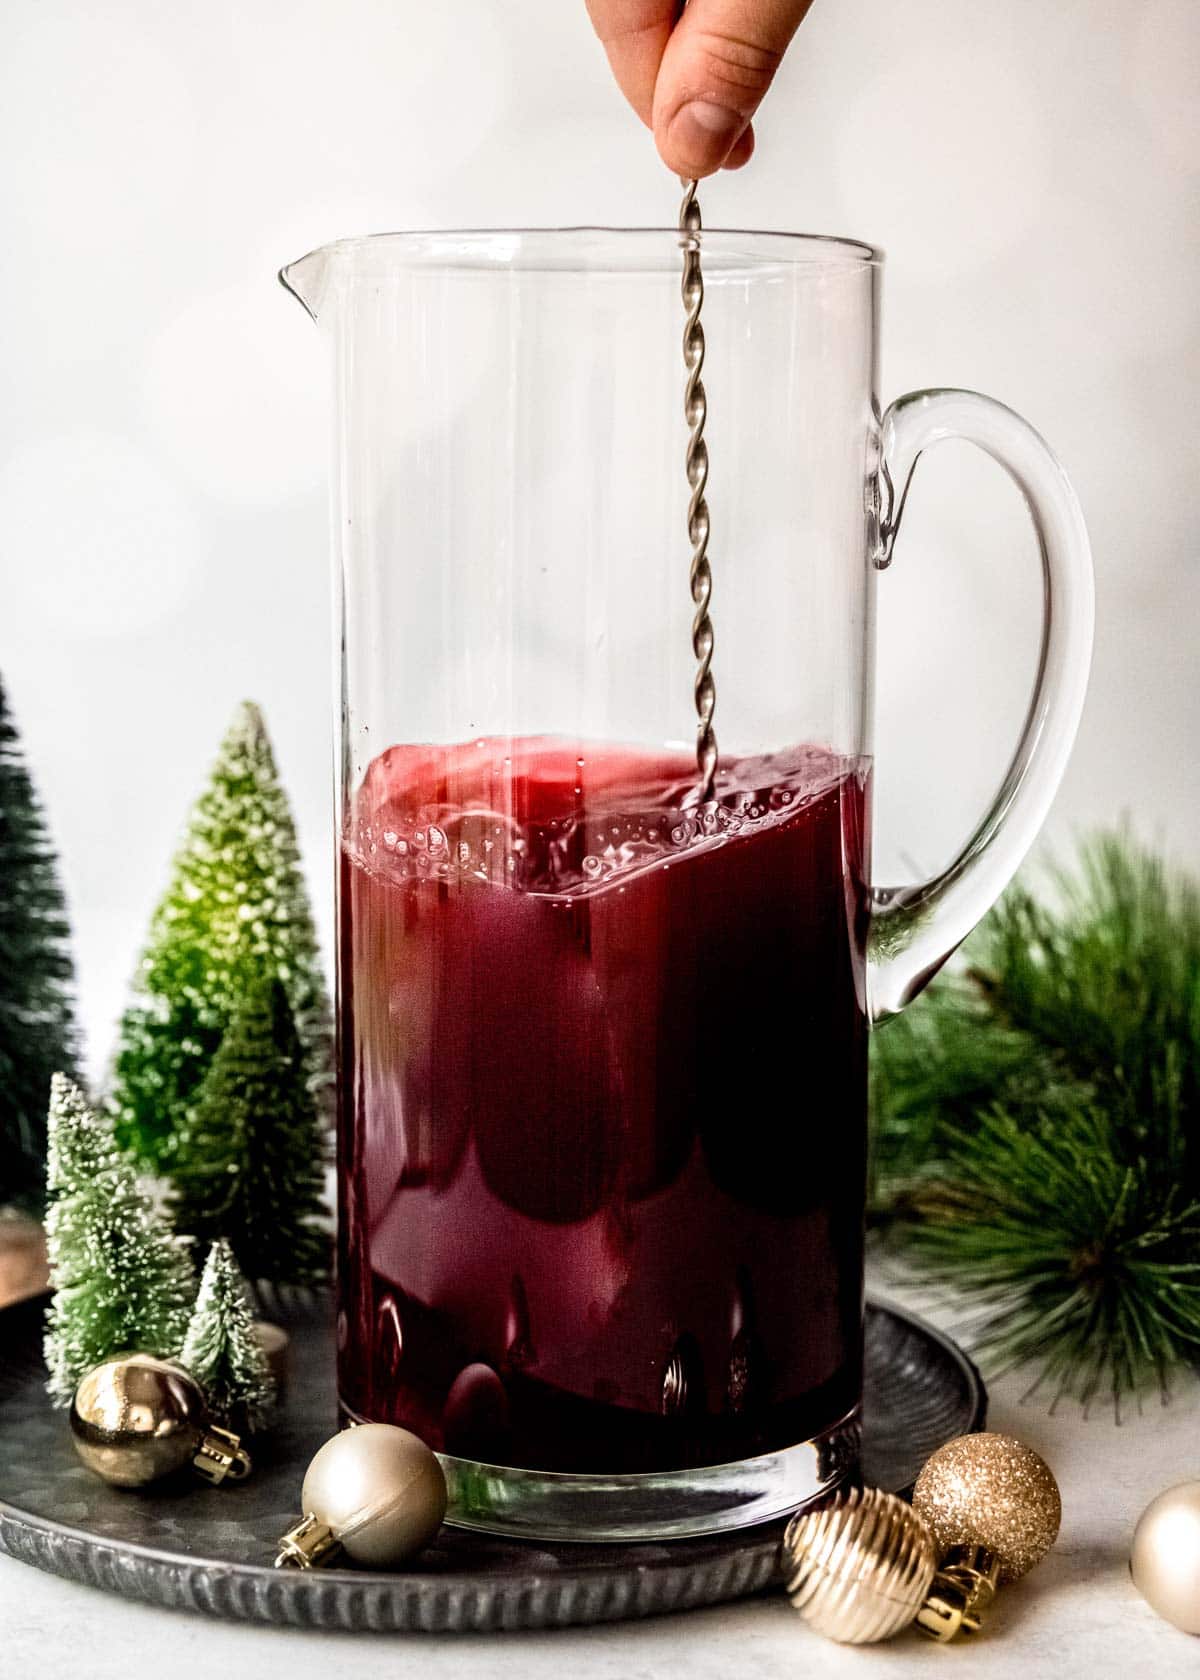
(1031, 169)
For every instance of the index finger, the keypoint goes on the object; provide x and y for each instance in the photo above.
(634, 34)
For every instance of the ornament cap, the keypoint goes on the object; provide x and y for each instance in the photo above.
(220, 1456)
(308, 1545)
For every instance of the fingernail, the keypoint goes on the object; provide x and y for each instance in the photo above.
(702, 134)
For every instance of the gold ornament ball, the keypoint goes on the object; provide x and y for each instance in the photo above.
(135, 1419)
(858, 1569)
(991, 1490)
(380, 1490)
(1165, 1562)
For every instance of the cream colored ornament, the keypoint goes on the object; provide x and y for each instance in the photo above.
(1165, 1562)
(858, 1570)
(374, 1492)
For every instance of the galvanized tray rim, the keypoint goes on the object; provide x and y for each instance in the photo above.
(612, 1583)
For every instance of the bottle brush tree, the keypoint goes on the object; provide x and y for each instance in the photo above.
(122, 1282)
(236, 908)
(249, 1165)
(221, 1350)
(37, 1031)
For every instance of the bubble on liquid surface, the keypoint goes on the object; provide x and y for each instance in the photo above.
(595, 838)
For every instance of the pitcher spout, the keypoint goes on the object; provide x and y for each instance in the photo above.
(308, 279)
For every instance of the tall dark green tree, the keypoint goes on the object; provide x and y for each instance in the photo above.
(249, 1162)
(37, 1026)
(235, 910)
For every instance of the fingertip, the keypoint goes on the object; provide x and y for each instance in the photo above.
(699, 137)
(741, 154)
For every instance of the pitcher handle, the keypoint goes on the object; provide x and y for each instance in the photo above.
(915, 928)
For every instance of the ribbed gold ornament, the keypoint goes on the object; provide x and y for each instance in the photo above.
(858, 1569)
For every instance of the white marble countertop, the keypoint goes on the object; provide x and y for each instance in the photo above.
(1077, 1615)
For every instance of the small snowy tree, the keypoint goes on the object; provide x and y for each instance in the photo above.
(37, 1030)
(221, 1350)
(122, 1283)
(249, 1164)
(236, 909)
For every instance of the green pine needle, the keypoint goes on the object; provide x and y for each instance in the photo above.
(1037, 1123)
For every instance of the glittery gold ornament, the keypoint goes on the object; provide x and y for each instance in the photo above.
(1165, 1562)
(135, 1419)
(374, 1492)
(859, 1568)
(991, 1491)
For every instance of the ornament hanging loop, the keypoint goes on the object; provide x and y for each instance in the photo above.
(962, 1593)
(221, 1457)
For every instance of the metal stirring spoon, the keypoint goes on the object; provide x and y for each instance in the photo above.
(695, 408)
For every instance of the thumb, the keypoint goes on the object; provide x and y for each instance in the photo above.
(718, 64)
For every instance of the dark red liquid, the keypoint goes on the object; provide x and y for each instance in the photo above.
(602, 1102)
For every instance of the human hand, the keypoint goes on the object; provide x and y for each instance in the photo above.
(697, 79)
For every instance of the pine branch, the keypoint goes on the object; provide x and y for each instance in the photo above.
(1037, 1125)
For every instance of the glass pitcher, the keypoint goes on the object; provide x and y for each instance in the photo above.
(603, 1018)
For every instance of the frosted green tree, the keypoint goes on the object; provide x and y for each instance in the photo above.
(235, 911)
(249, 1164)
(221, 1350)
(37, 1031)
(121, 1281)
